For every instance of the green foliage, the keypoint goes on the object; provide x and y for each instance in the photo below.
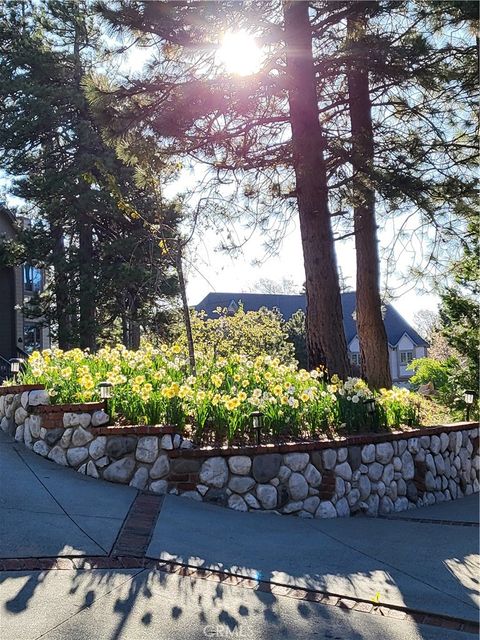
(399, 406)
(295, 328)
(435, 371)
(94, 229)
(459, 312)
(251, 333)
(154, 386)
(450, 379)
(11, 253)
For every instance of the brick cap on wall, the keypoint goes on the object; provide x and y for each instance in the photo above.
(360, 440)
(137, 430)
(79, 407)
(20, 388)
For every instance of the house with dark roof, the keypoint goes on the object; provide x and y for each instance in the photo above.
(404, 343)
(19, 335)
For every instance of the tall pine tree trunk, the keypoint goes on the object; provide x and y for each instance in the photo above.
(87, 327)
(133, 324)
(370, 327)
(86, 284)
(61, 289)
(326, 342)
(125, 331)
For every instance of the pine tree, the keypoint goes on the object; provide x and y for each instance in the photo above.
(397, 65)
(459, 307)
(326, 342)
(375, 362)
(186, 101)
(420, 103)
(109, 272)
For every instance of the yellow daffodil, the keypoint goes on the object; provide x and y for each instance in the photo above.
(217, 379)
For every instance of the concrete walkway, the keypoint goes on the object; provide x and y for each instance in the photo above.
(357, 557)
(423, 559)
(47, 510)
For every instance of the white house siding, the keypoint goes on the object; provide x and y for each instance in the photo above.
(392, 358)
(420, 352)
(355, 345)
(405, 344)
(399, 371)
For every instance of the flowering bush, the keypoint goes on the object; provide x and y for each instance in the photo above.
(154, 386)
(248, 332)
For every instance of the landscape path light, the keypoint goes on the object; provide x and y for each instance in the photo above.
(371, 408)
(468, 397)
(257, 423)
(15, 364)
(106, 392)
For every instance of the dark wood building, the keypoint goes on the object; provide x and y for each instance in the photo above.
(18, 334)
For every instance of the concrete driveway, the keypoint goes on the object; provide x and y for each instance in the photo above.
(423, 560)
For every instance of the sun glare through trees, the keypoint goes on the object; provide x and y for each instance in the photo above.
(239, 53)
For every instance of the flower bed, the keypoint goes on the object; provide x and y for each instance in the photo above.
(155, 386)
(369, 473)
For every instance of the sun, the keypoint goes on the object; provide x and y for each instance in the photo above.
(239, 53)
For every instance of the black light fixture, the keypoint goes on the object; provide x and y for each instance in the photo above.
(106, 392)
(468, 397)
(257, 424)
(15, 366)
(370, 406)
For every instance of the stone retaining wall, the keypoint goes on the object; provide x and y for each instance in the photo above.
(372, 474)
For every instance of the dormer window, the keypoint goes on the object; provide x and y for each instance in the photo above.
(355, 359)
(232, 307)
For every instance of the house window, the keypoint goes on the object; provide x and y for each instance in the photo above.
(32, 278)
(232, 308)
(355, 359)
(32, 336)
(406, 357)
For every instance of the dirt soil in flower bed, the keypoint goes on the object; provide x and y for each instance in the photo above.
(211, 439)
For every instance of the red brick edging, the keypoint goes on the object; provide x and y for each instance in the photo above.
(137, 529)
(317, 445)
(138, 430)
(20, 388)
(452, 523)
(347, 603)
(79, 407)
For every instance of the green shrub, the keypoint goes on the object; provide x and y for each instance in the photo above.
(429, 370)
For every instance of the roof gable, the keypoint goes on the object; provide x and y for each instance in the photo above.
(287, 305)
